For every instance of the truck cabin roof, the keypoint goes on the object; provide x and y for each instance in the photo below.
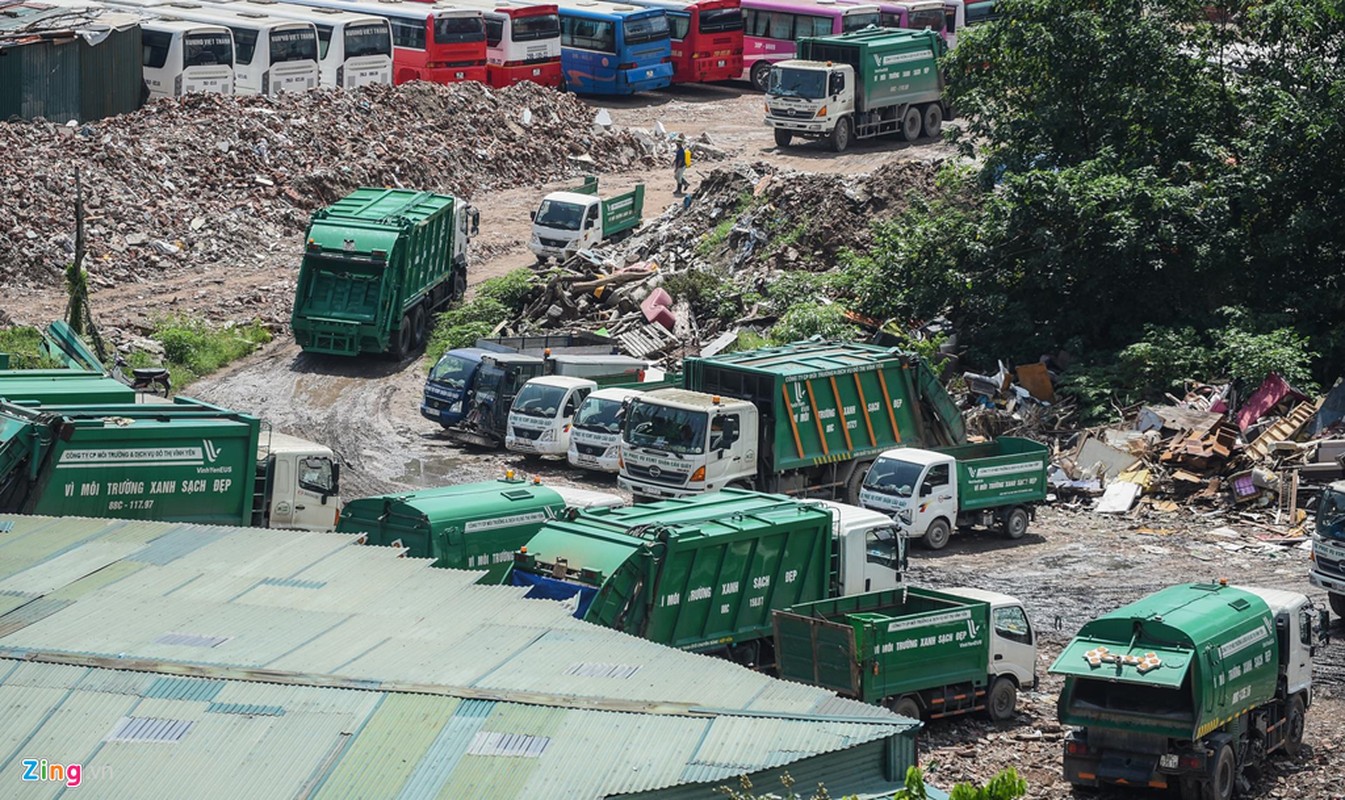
(695, 401)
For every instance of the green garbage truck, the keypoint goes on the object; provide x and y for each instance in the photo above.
(920, 652)
(931, 492)
(1188, 687)
(577, 219)
(185, 461)
(858, 85)
(803, 418)
(703, 573)
(376, 266)
(468, 526)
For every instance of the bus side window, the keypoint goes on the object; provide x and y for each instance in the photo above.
(156, 45)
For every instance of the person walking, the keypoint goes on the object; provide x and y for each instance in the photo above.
(681, 160)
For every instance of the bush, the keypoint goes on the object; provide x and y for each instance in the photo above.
(708, 293)
(464, 322)
(192, 348)
(509, 290)
(21, 343)
(808, 319)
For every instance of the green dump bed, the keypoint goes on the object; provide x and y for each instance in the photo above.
(1178, 663)
(1006, 471)
(468, 526)
(822, 402)
(695, 573)
(893, 66)
(623, 212)
(183, 462)
(62, 387)
(884, 644)
(368, 260)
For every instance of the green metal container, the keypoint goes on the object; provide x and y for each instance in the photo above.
(376, 264)
(1198, 654)
(185, 462)
(469, 526)
(696, 573)
(893, 67)
(620, 213)
(1006, 471)
(884, 644)
(829, 402)
(62, 387)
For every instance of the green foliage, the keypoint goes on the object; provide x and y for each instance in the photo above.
(21, 342)
(193, 348)
(808, 319)
(715, 238)
(466, 321)
(745, 787)
(509, 290)
(707, 291)
(1004, 786)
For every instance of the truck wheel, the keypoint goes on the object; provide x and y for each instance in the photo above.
(783, 138)
(419, 329)
(401, 341)
(856, 482)
(1337, 604)
(840, 135)
(910, 124)
(936, 537)
(460, 284)
(1002, 701)
(1222, 780)
(933, 122)
(761, 72)
(905, 706)
(1015, 524)
(1293, 727)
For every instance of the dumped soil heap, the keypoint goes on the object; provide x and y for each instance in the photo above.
(210, 178)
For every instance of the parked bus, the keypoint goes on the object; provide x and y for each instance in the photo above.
(271, 54)
(979, 11)
(180, 56)
(911, 14)
(609, 48)
(773, 26)
(522, 41)
(442, 43)
(707, 38)
(353, 49)
(954, 20)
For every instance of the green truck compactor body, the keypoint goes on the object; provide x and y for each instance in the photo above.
(892, 66)
(1005, 471)
(697, 573)
(186, 462)
(376, 265)
(62, 387)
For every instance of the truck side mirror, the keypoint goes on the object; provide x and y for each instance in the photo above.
(589, 223)
(532, 215)
(336, 477)
(476, 222)
(1323, 626)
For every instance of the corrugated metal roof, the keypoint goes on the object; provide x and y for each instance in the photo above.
(343, 671)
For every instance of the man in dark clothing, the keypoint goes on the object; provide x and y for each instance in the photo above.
(681, 158)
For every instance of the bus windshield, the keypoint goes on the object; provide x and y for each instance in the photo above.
(459, 29)
(857, 22)
(716, 20)
(368, 40)
(207, 49)
(645, 29)
(542, 26)
(298, 44)
(931, 18)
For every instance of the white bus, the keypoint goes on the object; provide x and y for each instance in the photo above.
(353, 49)
(522, 40)
(271, 54)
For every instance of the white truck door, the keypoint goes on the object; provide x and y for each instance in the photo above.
(592, 228)
(724, 456)
(567, 411)
(1298, 667)
(1013, 648)
(314, 494)
(883, 547)
(280, 484)
(936, 497)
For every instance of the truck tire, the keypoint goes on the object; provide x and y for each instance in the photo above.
(1001, 702)
(1337, 604)
(906, 706)
(936, 536)
(910, 124)
(1293, 726)
(419, 327)
(401, 340)
(459, 284)
(761, 72)
(1015, 523)
(840, 135)
(856, 482)
(783, 138)
(1223, 778)
(932, 124)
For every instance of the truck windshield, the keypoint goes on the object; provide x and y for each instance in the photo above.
(539, 401)
(664, 428)
(793, 82)
(891, 476)
(453, 371)
(598, 415)
(1331, 515)
(557, 214)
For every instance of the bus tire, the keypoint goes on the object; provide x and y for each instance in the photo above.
(401, 340)
(840, 135)
(936, 536)
(760, 74)
(1001, 702)
(910, 124)
(783, 138)
(932, 125)
(1015, 522)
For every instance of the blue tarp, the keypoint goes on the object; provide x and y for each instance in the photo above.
(545, 588)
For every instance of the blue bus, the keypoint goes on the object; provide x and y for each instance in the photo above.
(610, 48)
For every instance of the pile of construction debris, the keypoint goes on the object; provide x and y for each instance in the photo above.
(211, 179)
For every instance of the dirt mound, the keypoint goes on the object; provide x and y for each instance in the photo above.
(207, 178)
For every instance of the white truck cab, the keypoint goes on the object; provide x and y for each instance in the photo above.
(1013, 644)
(914, 486)
(595, 435)
(1295, 617)
(872, 554)
(542, 412)
(809, 97)
(564, 224)
(676, 443)
(303, 482)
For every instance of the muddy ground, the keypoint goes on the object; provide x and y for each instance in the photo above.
(1071, 566)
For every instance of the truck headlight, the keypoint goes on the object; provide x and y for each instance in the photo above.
(611, 451)
(548, 435)
(904, 516)
(456, 406)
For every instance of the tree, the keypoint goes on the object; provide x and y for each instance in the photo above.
(1004, 786)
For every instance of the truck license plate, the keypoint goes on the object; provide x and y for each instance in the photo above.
(590, 460)
(649, 73)
(1168, 761)
(719, 63)
(459, 75)
(536, 71)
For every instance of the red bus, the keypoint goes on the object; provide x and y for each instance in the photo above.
(522, 41)
(707, 38)
(441, 43)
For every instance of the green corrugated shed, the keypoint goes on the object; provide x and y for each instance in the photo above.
(61, 64)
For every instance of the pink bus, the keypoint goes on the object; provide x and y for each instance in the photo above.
(771, 28)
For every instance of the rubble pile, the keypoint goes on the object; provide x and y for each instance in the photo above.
(210, 178)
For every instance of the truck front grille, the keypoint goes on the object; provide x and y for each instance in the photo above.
(657, 474)
(793, 113)
(552, 242)
(1331, 566)
(525, 433)
(590, 449)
